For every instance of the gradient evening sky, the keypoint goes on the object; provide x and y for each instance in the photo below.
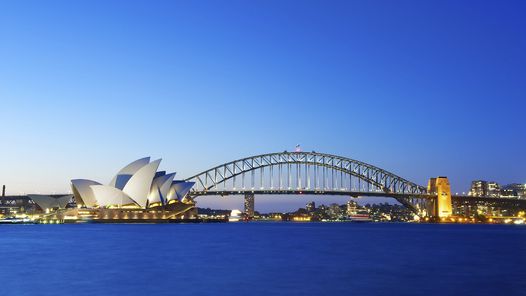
(419, 88)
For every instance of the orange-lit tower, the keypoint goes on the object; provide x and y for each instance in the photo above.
(440, 186)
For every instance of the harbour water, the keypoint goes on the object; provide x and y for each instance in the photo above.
(263, 259)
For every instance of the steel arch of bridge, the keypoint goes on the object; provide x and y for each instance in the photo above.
(293, 172)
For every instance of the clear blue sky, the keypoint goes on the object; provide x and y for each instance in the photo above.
(420, 88)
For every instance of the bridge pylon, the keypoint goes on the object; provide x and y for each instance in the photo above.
(249, 205)
(443, 205)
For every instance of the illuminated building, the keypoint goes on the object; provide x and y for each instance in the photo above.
(508, 193)
(138, 192)
(514, 190)
(480, 188)
(335, 211)
(351, 207)
(493, 189)
(137, 185)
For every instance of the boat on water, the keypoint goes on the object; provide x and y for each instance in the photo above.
(14, 220)
(360, 217)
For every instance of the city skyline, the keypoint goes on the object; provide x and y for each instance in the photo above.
(420, 89)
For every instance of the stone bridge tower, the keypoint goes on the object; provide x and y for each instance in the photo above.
(440, 186)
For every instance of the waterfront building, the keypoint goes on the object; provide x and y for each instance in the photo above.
(138, 185)
(138, 192)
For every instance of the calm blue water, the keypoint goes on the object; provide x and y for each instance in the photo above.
(262, 259)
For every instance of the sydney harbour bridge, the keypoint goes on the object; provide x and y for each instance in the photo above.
(314, 173)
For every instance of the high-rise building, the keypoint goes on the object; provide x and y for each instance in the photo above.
(310, 207)
(478, 188)
(249, 205)
(493, 189)
(485, 188)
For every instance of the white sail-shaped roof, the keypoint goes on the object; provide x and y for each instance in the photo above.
(179, 189)
(139, 185)
(124, 175)
(83, 193)
(160, 188)
(110, 196)
(50, 202)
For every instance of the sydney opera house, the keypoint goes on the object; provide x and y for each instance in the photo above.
(138, 192)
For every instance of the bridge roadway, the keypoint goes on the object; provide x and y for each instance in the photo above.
(356, 194)
(307, 192)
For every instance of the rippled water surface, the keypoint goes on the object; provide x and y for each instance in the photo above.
(262, 259)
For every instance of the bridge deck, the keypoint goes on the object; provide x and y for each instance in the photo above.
(307, 192)
(463, 198)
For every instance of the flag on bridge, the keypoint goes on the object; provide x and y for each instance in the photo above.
(298, 148)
